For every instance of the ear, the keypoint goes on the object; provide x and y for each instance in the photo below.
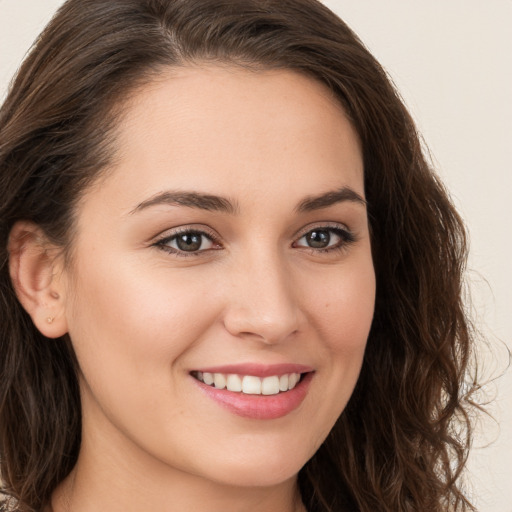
(37, 274)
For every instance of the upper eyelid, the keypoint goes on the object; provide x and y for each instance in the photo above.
(321, 225)
(173, 232)
(162, 242)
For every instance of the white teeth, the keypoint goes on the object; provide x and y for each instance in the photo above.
(250, 384)
(234, 383)
(270, 385)
(219, 380)
(283, 383)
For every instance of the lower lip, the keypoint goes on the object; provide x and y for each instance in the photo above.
(259, 407)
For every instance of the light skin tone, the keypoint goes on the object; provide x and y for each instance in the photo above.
(277, 270)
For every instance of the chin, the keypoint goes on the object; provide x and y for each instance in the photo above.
(266, 471)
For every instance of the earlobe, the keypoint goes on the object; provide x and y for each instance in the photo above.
(36, 273)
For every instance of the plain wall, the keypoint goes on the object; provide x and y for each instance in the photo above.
(451, 60)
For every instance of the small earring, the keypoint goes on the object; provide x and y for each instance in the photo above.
(50, 319)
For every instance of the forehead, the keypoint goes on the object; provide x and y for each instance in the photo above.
(227, 128)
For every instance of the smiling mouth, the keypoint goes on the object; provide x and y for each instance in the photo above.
(250, 384)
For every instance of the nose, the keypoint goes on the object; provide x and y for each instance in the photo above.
(263, 302)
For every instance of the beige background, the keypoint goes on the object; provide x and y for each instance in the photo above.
(451, 60)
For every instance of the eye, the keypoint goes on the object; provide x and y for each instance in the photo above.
(324, 239)
(187, 241)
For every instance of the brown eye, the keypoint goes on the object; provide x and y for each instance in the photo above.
(187, 242)
(318, 238)
(325, 239)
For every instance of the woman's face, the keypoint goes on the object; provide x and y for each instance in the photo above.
(229, 243)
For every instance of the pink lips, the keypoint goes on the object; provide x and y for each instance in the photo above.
(259, 407)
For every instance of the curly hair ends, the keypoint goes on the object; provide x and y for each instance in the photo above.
(401, 443)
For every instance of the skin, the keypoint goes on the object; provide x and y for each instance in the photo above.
(142, 318)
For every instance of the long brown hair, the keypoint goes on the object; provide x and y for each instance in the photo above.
(402, 441)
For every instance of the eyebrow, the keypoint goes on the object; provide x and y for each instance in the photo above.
(192, 200)
(331, 198)
(210, 202)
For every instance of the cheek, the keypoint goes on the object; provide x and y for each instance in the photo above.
(344, 306)
(343, 312)
(132, 333)
(133, 321)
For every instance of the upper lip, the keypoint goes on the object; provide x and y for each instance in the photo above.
(257, 369)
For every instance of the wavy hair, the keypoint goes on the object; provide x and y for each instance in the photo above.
(402, 441)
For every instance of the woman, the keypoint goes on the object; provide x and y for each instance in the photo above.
(229, 278)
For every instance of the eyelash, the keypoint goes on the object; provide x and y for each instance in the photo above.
(163, 242)
(346, 237)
